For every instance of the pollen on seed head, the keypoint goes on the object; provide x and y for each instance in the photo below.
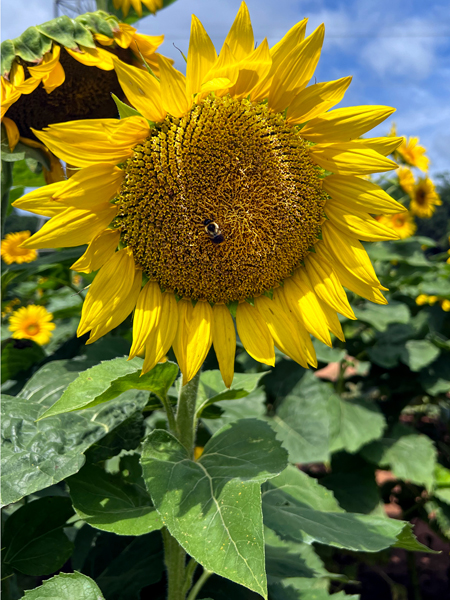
(238, 165)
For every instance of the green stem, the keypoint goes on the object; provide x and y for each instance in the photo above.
(189, 574)
(412, 568)
(175, 559)
(7, 181)
(199, 584)
(186, 421)
(170, 414)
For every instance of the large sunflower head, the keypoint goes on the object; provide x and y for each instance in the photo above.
(236, 195)
(32, 322)
(424, 198)
(51, 80)
(403, 224)
(12, 251)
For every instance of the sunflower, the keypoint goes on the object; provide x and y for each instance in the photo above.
(11, 250)
(406, 179)
(413, 154)
(236, 194)
(424, 198)
(124, 5)
(32, 322)
(403, 224)
(56, 83)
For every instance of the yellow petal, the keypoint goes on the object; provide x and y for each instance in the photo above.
(252, 70)
(279, 297)
(383, 145)
(173, 89)
(125, 35)
(296, 70)
(358, 224)
(72, 227)
(350, 158)
(49, 62)
(146, 316)
(331, 320)
(193, 339)
(137, 5)
(91, 141)
(326, 284)
(120, 312)
(361, 194)
(12, 132)
(240, 38)
(111, 286)
(161, 337)
(224, 340)
(301, 298)
(99, 251)
(142, 90)
(224, 70)
(42, 200)
(316, 99)
(54, 79)
(282, 329)
(145, 45)
(201, 57)
(352, 283)
(345, 124)
(91, 186)
(350, 253)
(93, 57)
(254, 334)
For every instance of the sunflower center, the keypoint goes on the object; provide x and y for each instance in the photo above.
(420, 196)
(222, 204)
(32, 329)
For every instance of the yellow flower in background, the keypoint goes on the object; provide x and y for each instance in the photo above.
(219, 202)
(422, 299)
(413, 154)
(32, 322)
(403, 224)
(124, 5)
(12, 251)
(406, 179)
(424, 198)
(10, 307)
(445, 305)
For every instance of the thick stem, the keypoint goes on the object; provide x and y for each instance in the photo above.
(199, 584)
(186, 421)
(189, 575)
(175, 559)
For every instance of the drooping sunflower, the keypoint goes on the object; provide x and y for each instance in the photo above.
(424, 198)
(53, 80)
(236, 194)
(403, 224)
(32, 322)
(12, 251)
(124, 5)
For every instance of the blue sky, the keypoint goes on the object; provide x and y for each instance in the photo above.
(398, 51)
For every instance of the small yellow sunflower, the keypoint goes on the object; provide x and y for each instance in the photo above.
(413, 154)
(32, 322)
(12, 251)
(424, 198)
(406, 179)
(238, 193)
(403, 224)
(59, 85)
(422, 299)
(445, 305)
(124, 5)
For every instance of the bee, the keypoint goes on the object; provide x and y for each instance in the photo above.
(213, 230)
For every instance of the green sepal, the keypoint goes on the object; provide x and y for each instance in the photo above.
(125, 110)
(8, 53)
(96, 23)
(82, 35)
(60, 30)
(32, 45)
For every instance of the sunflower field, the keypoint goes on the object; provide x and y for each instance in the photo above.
(225, 324)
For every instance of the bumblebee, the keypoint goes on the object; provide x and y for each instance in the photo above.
(213, 230)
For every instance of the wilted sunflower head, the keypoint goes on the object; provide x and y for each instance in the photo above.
(32, 322)
(237, 193)
(424, 198)
(52, 80)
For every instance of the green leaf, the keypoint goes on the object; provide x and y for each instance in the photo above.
(410, 456)
(302, 421)
(220, 494)
(402, 251)
(212, 388)
(66, 586)
(436, 379)
(34, 541)
(229, 411)
(61, 30)
(32, 45)
(110, 503)
(127, 436)
(21, 152)
(355, 489)
(18, 356)
(7, 53)
(353, 423)
(111, 378)
(380, 316)
(294, 519)
(35, 454)
(326, 354)
(418, 354)
(125, 110)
